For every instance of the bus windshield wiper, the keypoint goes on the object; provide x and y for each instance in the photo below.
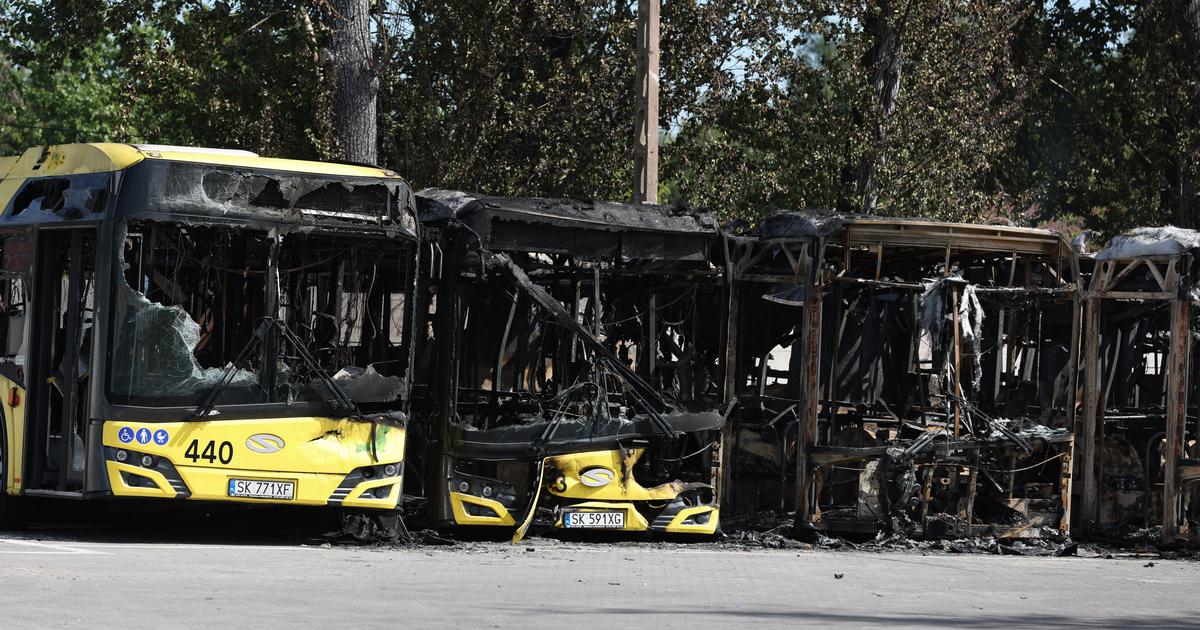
(336, 396)
(207, 405)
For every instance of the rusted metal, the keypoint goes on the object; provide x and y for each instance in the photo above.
(811, 344)
(1176, 420)
(1087, 466)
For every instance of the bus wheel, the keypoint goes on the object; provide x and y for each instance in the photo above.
(12, 512)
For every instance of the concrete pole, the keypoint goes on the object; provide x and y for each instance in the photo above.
(645, 158)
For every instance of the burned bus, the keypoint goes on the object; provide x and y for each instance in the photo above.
(1138, 456)
(911, 378)
(203, 324)
(574, 354)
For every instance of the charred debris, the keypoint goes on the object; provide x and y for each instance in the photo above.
(923, 370)
(856, 376)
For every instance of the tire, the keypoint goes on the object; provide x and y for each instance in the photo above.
(12, 509)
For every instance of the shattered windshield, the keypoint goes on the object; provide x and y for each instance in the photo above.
(246, 316)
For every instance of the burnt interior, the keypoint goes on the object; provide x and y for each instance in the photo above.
(1141, 440)
(942, 402)
(560, 333)
(193, 308)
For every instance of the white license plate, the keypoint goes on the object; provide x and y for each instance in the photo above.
(594, 520)
(261, 489)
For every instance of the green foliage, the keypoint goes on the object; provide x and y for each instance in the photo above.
(791, 136)
(1067, 114)
(179, 72)
(1111, 135)
(536, 97)
(74, 98)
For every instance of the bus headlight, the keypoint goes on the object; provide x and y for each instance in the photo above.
(122, 456)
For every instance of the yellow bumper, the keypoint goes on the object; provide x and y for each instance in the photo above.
(331, 462)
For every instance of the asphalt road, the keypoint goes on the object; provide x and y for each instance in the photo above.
(61, 583)
(131, 578)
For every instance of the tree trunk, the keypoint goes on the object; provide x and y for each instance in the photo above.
(1187, 211)
(1191, 29)
(354, 81)
(884, 62)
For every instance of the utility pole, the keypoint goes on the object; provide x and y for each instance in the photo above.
(645, 158)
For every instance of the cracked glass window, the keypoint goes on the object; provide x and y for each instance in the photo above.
(237, 316)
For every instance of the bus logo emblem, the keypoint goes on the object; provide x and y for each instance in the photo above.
(596, 477)
(264, 443)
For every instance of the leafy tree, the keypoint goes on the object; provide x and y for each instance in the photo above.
(1110, 135)
(51, 104)
(178, 71)
(535, 97)
(911, 125)
(1057, 113)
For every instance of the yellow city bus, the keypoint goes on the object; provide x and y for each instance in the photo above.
(202, 324)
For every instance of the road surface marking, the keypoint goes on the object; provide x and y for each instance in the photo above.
(43, 548)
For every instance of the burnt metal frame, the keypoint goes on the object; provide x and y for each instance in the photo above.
(467, 244)
(745, 257)
(877, 236)
(1171, 285)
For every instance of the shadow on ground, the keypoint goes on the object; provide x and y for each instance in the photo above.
(979, 621)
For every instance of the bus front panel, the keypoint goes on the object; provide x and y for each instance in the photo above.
(302, 461)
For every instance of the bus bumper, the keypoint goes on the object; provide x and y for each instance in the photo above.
(594, 482)
(331, 462)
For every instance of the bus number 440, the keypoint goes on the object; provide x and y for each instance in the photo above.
(211, 452)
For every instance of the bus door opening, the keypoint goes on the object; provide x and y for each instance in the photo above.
(59, 358)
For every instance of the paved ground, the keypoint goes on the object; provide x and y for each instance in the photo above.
(157, 585)
(137, 578)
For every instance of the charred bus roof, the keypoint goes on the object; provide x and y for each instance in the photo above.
(590, 229)
(894, 232)
(92, 182)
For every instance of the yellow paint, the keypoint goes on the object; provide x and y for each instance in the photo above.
(356, 498)
(163, 489)
(311, 444)
(276, 164)
(677, 525)
(63, 160)
(621, 491)
(623, 486)
(459, 501)
(531, 509)
(317, 454)
(14, 430)
(634, 521)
